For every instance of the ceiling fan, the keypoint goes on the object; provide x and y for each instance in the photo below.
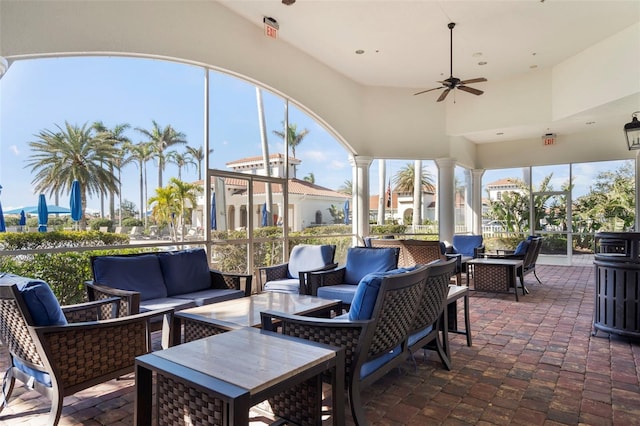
(452, 82)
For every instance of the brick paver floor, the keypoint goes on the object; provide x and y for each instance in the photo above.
(532, 362)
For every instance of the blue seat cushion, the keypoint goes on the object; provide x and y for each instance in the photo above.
(306, 257)
(415, 337)
(40, 376)
(343, 292)
(139, 273)
(185, 271)
(521, 248)
(465, 244)
(366, 293)
(372, 366)
(289, 285)
(364, 260)
(213, 295)
(40, 300)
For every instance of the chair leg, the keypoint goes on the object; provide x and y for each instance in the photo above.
(56, 408)
(8, 383)
(536, 275)
(355, 402)
(443, 356)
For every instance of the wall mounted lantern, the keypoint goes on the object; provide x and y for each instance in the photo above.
(632, 131)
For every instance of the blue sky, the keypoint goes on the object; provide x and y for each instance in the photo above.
(39, 94)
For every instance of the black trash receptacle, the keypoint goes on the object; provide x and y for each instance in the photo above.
(617, 276)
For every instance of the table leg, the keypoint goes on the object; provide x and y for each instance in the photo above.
(337, 390)
(143, 404)
(176, 331)
(445, 331)
(467, 321)
(514, 279)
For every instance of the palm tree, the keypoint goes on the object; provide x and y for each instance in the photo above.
(293, 139)
(310, 178)
(181, 160)
(197, 155)
(142, 152)
(346, 187)
(162, 138)
(116, 137)
(72, 153)
(404, 180)
(171, 203)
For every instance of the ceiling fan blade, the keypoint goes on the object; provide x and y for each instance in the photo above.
(474, 80)
(425, 91)
(443, 95)
(471, 90)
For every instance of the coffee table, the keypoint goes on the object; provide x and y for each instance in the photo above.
(496, 275)
(216, 380)
(220, 317)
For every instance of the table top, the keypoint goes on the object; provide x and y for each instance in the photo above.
(494, 261)
(245, 311)
(456, 291)
(249, 358)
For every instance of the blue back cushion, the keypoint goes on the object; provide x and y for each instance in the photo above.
(134, 273)
(366, 294)
(522, 247)
(309, 257)
(464, 244)
(185, 271)
(363, 260)
(40, 300)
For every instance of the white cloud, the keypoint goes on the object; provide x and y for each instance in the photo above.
(14, 149)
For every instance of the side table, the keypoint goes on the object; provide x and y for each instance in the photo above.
(496, 275)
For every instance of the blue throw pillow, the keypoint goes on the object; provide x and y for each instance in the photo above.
(362, 261)
(40, 300)
(185, 271)
(522, 247)
(366, 294)
(139, 273)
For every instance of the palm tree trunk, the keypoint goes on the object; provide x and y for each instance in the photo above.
(141, 190)
(265, 154)
(417, 193)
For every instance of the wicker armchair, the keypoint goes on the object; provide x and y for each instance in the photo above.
(527, 251)
(291, 277)
(412, 252)
(61, 359)
(374, 335)
(426, 324)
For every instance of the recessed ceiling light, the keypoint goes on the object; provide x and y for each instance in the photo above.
(482, 63)
(499, 133)
(477, 54)
(533, 67)
(359, 52)
(590, 122)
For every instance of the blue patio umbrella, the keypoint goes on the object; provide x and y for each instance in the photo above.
(23, 218)
(76, 201)
(346, 211)
(265, 215)
(3, 227)
(43, 214)
(214, 225)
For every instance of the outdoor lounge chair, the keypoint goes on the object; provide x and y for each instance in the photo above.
(291, 277)
(341, 283)
(374, 332)
(527, 251)
(464, 248)
(412, 252)
(59, 351)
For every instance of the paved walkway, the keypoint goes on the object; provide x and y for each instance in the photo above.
(532, 362)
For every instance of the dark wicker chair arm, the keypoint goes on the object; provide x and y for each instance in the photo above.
(230, 280)
(339, 333)
(129, 300)
(305, 287)
(478, 251)
(92, 311)
(318, 279)
(264, 274)
(96, 348)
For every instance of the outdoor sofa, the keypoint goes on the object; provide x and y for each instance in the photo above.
(175, 279)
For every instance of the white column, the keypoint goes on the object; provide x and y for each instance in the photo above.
(360, 194)
(382, 175)
(476, 200)
(446, 208)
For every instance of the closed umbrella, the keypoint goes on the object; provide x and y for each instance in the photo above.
(265, 215)
(3, 227)
(23, 220)
(214, 225)
(76, 201)
(43, 214)
(346, 211)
